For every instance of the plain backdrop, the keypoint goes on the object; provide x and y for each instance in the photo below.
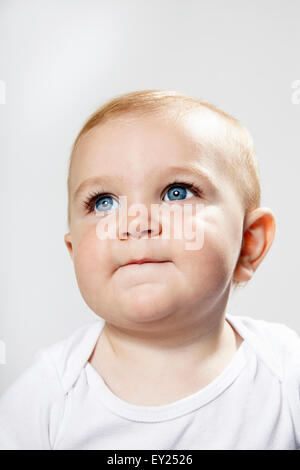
(59, 61)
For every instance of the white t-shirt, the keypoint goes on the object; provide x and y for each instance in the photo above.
(61, 402)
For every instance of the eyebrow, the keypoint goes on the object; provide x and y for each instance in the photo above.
(192, 169)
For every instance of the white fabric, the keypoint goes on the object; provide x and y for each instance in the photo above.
(61, 402)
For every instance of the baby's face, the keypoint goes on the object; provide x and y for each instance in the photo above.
(140, 158)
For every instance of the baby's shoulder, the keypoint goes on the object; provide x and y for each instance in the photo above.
(55, 368)
(69, 355)
(274, 340)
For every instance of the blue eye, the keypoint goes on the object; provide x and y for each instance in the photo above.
(104, 203)
(178, 192)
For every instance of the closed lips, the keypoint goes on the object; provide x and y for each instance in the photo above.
(145, 260)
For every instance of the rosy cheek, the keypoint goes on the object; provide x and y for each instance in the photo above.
(180, 221)
(84, 251)
(187, 224)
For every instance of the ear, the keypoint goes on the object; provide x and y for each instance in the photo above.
(68, 242)
(259, 231)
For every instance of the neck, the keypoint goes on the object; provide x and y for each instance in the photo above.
(194, 347)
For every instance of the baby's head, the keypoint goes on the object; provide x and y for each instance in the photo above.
(164, 148)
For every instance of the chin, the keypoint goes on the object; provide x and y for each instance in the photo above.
(146, 303)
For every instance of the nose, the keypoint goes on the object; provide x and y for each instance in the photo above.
(143, 223)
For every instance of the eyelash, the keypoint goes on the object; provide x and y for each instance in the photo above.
(89, 203)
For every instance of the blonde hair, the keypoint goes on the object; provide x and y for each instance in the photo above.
(235, 138)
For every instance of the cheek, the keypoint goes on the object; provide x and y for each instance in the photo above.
(204, 253)
(184, 225)
(91, 260)
(221, 245)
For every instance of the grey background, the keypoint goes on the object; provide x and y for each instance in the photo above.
(60, 60)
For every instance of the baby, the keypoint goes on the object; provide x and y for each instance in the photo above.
(165, 366)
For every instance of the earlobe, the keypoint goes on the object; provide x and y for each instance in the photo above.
(68, 242)
(259, 231)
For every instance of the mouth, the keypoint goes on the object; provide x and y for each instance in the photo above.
(144, 261)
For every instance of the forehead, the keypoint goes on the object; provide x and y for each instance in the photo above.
(134, 145)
